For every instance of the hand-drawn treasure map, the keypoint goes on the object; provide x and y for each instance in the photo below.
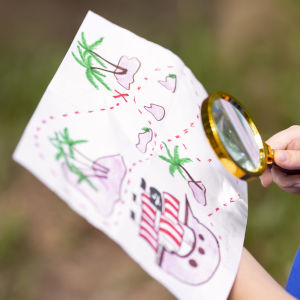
(118, 136)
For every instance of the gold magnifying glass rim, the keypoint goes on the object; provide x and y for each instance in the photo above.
(215, 141)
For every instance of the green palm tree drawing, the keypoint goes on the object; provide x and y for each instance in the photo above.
(62, 140)
(176, 163)
(87, 58)
(66, 140)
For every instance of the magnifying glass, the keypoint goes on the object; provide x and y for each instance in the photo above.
(234, 137)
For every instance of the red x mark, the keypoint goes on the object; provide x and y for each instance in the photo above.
(121, 95)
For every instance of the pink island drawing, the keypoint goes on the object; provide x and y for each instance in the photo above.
(95, 65)
(157, 111)
(144, 138)
(169, 82)
(98, 180)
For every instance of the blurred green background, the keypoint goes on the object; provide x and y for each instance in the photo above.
(249, 48)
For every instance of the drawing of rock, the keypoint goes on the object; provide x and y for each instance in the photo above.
(108, 182)
(200, 264)
(169, 82)
(199, 191)
(157, 111)
(144, 138)
(132, 65)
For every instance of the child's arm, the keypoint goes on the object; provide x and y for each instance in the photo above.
(253, 282)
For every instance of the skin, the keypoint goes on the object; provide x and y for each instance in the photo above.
(252, 281)
(287, 156)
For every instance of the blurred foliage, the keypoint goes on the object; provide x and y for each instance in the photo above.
(24, 74)
(12, 240)
(17, 276)
(247, 48)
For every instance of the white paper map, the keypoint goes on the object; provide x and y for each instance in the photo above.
(118, 136)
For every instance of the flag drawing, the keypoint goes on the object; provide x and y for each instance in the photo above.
(161, 228)
(147, 226)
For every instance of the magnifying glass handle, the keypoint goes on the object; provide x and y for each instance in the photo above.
(270, 159)
(270, 155)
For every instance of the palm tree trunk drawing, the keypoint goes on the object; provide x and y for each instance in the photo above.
(61, 141)
(96, 166)
(176, 164)
(187, 173)
(124, 71)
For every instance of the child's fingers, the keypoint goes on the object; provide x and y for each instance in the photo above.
(281, 139)
(266, 178)
(288, 159)
(289, 183)
(287, 156)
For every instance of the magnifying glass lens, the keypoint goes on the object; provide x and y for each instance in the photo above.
(236, 135)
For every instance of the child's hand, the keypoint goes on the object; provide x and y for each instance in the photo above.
(287, 156)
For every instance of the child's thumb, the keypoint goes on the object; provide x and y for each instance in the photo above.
(288, 159)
